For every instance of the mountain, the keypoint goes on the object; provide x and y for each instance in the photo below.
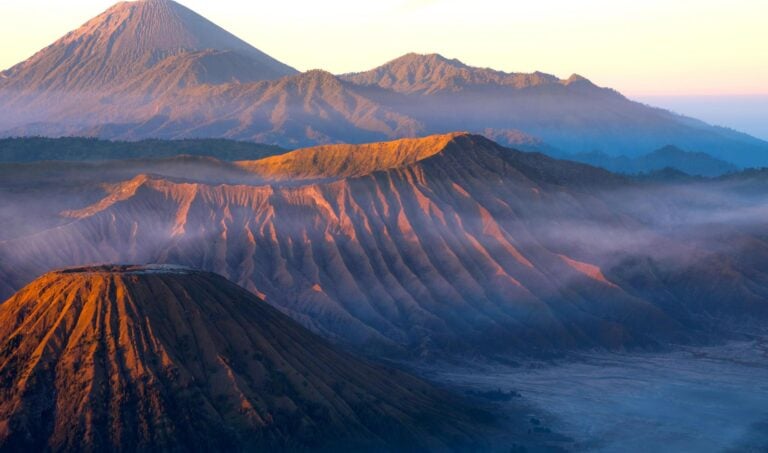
(154, 69)
(301, 110)
(167, 358)
(573, 114)
(138, 38)
(342, 161)
(669, 157)
(136, 49)
(442, 245)
(33, 194)
(433, 73)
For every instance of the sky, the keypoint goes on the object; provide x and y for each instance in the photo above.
(645, 49)
(745, 113)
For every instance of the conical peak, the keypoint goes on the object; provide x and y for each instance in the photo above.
(158, 25)
(205, 363)
(130, 42)
(149, 3)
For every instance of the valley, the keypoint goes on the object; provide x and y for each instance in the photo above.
(710, 399)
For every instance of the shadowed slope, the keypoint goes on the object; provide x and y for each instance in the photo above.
(166, 358)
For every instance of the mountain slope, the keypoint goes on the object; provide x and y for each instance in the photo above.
(573, 114)
(433, 73)
(342, 161)
(154, 69)
(130, 39)
(130, 53)
(309, 108)
(167, 358)
(302, 110)
(427, 254)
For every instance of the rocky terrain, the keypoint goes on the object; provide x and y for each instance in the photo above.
(448, 244)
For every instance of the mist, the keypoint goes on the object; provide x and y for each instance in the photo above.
(348, 257)
(744, 113)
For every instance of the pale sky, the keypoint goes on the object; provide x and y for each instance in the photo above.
(640, 47)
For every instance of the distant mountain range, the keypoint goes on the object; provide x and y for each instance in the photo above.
(154, 69)
(691, 163)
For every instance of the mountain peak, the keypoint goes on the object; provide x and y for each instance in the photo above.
(415, 73)
(128, 40)
(575, 78)
(428, 58)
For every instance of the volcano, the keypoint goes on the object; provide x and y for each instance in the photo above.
(128, 55)
(168, 358)
(138, 39)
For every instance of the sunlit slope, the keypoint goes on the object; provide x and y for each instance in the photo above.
(167, 358)
(451, 251)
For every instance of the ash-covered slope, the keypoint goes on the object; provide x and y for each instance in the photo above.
(463, 245)
(164, 358)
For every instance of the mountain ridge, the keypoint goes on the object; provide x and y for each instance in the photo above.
(432, 73)
(668, 157)
(344, 161)
(170, 84)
